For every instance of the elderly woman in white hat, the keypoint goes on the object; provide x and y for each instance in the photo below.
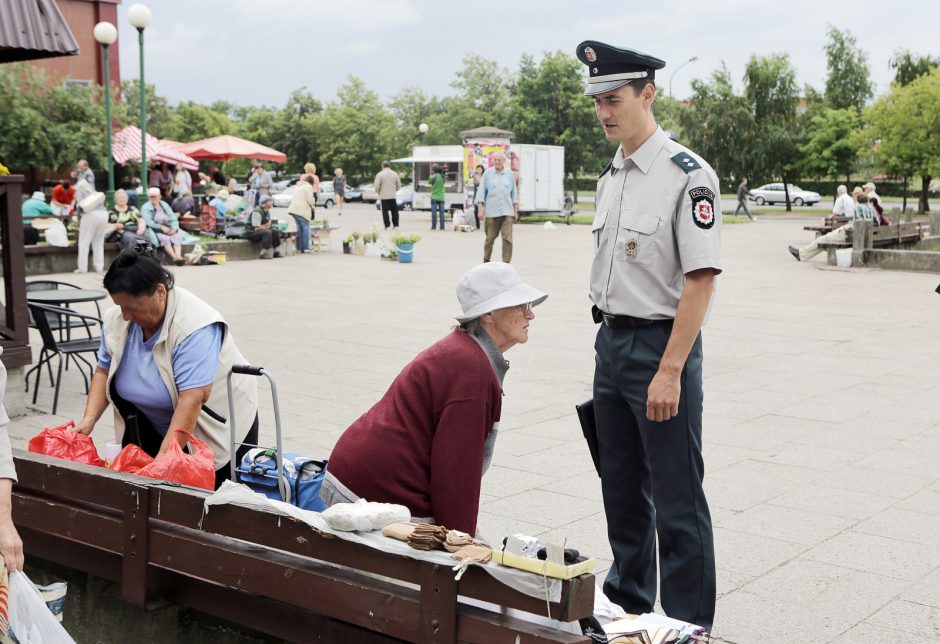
(428, 441)
(93, 227)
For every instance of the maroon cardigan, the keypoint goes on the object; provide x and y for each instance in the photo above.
(421, 445)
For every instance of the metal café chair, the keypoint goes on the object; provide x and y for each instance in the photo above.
(58, 324)
(55, 346)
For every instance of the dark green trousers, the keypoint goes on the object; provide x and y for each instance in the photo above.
(651, 477)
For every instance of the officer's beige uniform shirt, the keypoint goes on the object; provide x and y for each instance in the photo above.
(7, 470)
(656, 220)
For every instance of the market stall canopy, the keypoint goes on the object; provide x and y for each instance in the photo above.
(225, 147)
(126, 147)
(33, 29)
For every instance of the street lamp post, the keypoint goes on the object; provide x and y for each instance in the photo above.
(139, 16)
(106, 34)
(422, 130)
(691, 60)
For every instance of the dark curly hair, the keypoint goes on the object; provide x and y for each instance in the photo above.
(136, 274)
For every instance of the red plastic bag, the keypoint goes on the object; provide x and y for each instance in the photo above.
(196, 469)
(131, 459)
(63, 442)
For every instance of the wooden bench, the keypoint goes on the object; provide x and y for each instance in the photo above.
(881, 237)
(828, 224)
(263, 570)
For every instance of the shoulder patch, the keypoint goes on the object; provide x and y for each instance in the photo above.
(606, 169)
(686, 161)
(703, 207)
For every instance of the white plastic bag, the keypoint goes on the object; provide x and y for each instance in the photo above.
(57, 235)
(31, 621)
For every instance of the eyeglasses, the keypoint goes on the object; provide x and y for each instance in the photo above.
(526, 308)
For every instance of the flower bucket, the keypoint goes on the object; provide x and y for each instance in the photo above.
(346, 249)
(405, 253)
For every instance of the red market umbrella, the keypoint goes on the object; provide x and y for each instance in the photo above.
(126, 147)
(225, 147)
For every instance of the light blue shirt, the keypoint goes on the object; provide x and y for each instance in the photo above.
(497, 193)
(220, 208)
(138, 381)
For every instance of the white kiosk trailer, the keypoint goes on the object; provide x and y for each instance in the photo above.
(539, 170)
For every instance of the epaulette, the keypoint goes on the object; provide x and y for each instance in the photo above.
(606, 170)
(685, 161)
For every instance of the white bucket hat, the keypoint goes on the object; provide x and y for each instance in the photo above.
(491, 286)
(38, 195)
(222, 194)
(91, 202)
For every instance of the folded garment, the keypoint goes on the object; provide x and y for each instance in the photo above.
(400, 531)
(427, 537)
(477, 553)
(456, 540)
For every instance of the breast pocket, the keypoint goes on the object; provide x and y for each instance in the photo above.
(637, 243)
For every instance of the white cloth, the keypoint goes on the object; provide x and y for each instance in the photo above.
(92, 229)
(525, 582)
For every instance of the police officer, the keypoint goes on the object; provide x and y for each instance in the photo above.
(656, 236)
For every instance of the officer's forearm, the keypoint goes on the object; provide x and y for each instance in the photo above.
(693, 304)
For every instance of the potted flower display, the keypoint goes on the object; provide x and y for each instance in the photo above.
(406, 246)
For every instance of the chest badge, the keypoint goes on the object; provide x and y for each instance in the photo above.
(703, 207)
(632, 247)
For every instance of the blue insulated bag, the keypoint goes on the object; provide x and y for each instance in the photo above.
(302, 477)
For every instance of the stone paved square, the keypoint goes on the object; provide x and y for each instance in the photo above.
(822, 413)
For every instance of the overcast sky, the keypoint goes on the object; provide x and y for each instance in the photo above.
(256, 52)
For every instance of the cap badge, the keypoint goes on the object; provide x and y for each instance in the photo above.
(589, 54)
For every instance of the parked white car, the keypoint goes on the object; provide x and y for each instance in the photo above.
(772, 193)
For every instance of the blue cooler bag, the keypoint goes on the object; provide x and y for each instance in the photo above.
(302, 477)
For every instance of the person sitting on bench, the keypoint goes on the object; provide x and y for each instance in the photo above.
(260, 229)
(427, 443)
(861, 210)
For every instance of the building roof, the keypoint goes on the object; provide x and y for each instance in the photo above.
(33, 29)
(487, 131)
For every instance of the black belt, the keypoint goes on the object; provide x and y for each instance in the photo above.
(623, 321)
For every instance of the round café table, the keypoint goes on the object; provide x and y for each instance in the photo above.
(65, 296)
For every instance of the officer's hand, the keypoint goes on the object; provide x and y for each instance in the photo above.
(662, 398)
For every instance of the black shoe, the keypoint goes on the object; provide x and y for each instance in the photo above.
(277, 254)
(795, 252)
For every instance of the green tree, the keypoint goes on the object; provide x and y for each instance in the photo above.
(718, 125)
(848, 83)
(296, 129)
(830, 149)
(550, 107)
(49, 128)
(908, 66)
(774, 145)
(195, 121)
(358, 132)
(668, 112)
(162, 121)
(410, 108)
(905, 130)
(484, 95)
